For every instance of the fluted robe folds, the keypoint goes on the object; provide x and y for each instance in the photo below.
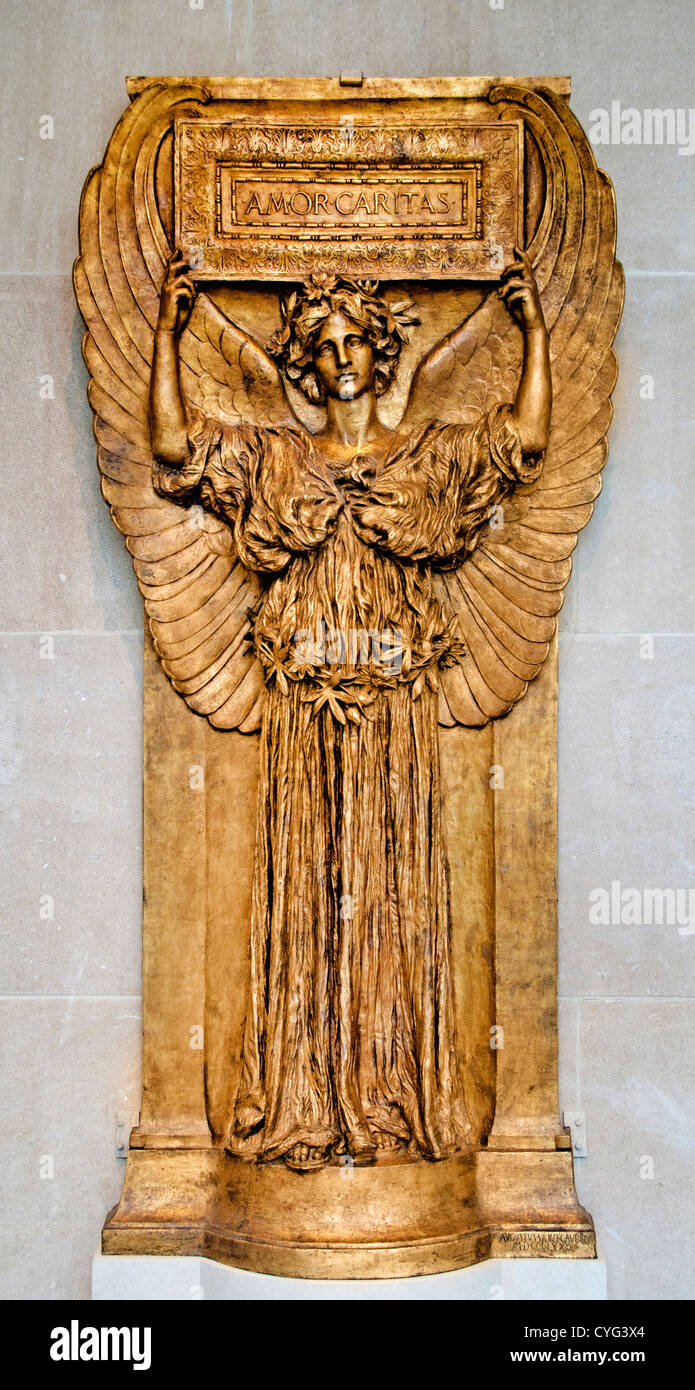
(349, 1032)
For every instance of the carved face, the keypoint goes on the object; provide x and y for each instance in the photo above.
(343, 359)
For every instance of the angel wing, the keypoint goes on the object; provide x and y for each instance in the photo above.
(199, 600)
(507, 593)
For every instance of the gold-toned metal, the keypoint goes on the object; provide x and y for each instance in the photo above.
(350, 912)
(351, 196)
(323, 88)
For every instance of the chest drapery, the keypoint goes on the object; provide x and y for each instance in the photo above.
(348, 549)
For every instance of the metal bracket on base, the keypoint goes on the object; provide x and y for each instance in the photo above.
(575, 1120)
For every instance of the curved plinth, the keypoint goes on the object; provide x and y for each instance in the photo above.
(393, 1219)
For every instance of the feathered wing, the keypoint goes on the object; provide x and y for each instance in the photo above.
(507, 593)
(199, 600)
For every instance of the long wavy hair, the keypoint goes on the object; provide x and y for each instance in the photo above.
(384, 323)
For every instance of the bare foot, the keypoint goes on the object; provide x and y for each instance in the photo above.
(303, 1158)
(362, 1146)
(386, 1141)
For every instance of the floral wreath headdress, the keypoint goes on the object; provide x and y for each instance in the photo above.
(386, 325)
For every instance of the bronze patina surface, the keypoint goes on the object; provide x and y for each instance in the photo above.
(351, 365)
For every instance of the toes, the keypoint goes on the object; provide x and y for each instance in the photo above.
(385, 1140)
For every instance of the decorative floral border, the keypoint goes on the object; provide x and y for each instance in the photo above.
(202, 145)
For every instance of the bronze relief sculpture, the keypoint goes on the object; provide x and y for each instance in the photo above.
(351, 590)
(349, 1042)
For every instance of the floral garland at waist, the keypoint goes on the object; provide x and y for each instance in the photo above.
(348, 687)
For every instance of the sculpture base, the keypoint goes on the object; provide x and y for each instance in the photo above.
(394, 1219)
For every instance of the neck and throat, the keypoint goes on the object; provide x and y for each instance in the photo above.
(352, 425)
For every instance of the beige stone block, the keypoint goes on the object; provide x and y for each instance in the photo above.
(568, 1055)
(64, 565)
(70, 1067)
(635, 564)
(637, 1087)
(626, 804)
(71, 795)
(70, 62)
(567, 617)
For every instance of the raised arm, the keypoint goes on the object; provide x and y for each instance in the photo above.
(531, 409)
(167, 413)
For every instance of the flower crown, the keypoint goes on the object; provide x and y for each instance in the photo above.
(386, 323)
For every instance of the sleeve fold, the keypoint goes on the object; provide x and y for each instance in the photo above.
(432, 500)
(216, 471)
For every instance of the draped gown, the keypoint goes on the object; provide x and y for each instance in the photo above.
(350, 1030)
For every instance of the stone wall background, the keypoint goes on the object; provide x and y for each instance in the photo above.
(70, 765)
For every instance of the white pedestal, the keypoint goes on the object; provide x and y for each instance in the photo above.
(190, 1277)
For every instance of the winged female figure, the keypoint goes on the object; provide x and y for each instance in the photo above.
(349, 1040)
(344, 591)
